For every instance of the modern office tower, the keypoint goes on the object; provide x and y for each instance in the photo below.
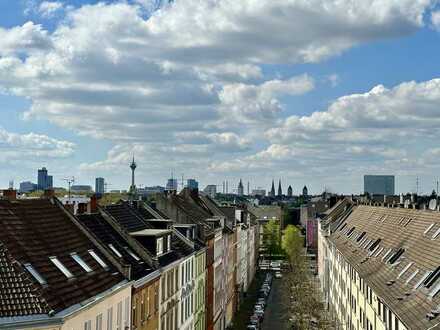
(379, 184)
(99, 186)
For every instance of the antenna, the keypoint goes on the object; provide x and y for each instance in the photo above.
(183, 182)
(417, 185)
(106, 186)
(69, 182)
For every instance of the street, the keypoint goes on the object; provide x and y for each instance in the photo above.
(275, 316)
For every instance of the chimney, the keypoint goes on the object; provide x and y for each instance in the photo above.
(49, 193)
(10, 194)
(93, 204)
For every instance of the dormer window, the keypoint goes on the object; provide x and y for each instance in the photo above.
(169, 243)
(159, 246)
(61, 267)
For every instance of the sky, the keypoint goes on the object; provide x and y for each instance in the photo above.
(312, 92)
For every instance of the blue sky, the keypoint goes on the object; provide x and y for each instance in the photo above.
(254, 95)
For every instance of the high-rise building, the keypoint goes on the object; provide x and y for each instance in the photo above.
(44, 181)
(289, 191)
(280, 191)
(27, 186)
(240, 189)
(211, 190)
(99, 186)
(192, 184)
(171, 184)
(379, 184)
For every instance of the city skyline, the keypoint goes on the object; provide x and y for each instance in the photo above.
(356, 93)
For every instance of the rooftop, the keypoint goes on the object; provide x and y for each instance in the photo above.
(151, 232)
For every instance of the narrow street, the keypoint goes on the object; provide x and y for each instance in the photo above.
(275, 316)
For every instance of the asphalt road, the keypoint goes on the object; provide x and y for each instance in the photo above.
(275, 316)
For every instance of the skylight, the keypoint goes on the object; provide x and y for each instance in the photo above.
(115, 251)
(386, 254)
(432, 278)
(379, 252)
(61, 267)
(412, 276)
(98, 259)
(435, 290)
(81, 262)
(405, 269)
(428, 229)
(135, 257)
(35, 274)
(396, 256)
(419, 283)
(436, 234)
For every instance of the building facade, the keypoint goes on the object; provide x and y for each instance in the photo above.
(99, 186)
(200, 290)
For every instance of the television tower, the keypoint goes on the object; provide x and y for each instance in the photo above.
(133, 168)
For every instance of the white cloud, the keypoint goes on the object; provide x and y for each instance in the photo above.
(48, 9)
(27, 38)
(435, 19)
(31, 146)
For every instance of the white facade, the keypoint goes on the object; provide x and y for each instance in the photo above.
(187, 292)
(169, 297)
(219, 282)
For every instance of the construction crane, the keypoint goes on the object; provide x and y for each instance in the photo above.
(70, 181)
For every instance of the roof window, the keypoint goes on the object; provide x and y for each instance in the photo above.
(405, 269)
(61, 267)
(135, 257)
(424, 277)
(98, 259)
(81, 262)
(361, 236)
(430, 280)
(386, 254)
(428, 229)
(436, 234)
(115, 251)
(379, 252)
(375, 244)
(35, 274)
(409, 279)
(396, 256)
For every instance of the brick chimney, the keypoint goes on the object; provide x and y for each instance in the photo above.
(49, 193)
(93, 204)
(10, 194)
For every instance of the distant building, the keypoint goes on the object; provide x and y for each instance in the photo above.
(272, 190)
(379, 184)
(45, 181)
(27, 187)
(305, 192)
(240, 189)
(280, 191)
(99, 186)
(258, 192)
(192, 184)
(146, 191)
(75, 189)
(289, 191)
(171, 185)
(211, 190)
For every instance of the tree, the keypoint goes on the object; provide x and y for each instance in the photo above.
(272, 237)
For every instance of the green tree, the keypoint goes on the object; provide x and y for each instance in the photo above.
(272, 237)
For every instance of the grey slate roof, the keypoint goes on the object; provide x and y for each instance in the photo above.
(397, 228)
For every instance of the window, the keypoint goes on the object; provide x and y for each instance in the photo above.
(422, 280)
(127, 312)
(99, 322)
(115, 251)
(428, 229)
(159, 246)
(110, 318)
(88, 325)
(119, 316)
(169, 243)
(404, 270)
(35, 274)
(436, 234)
(412, 276)
(98, 259)
(61, 267)
(135, 257)
(81, 262)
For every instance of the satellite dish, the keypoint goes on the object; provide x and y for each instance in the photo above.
(407, 202)
(432, 204)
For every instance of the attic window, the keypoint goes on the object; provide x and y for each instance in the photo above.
(419, 283)
(159, 246)
(430, 280)
(375, 244)
(35, 274)
(135, 257)
(412, 276)
(434, 291)
(81, 262)
(361, 236)
(98, 259)
(350, 231)
(386, 254)
(169, 243)
(396, 256)
(428, 229)
(436, 234)
(378, 252)
(405, 269)
(61, 267)
(115, 251)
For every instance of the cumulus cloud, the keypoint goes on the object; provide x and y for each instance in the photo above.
(48, 9)
(27, 38)
(435, 19)
(31, 145)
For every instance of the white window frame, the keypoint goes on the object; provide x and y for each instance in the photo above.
(35, 274)
(98, 259)
(75, 256)
(112, 247)
(61, 267)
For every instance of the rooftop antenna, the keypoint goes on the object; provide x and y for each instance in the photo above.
(70, 181)
(183, 182)
(417, 185)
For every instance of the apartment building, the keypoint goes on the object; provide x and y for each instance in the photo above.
(54, 274)
(200, 290)
(380, 267)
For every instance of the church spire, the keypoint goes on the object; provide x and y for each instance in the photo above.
(280, 191)
(272, 191)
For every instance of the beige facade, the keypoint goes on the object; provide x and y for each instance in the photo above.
(145, 305)
(111, 310)
(169, 297)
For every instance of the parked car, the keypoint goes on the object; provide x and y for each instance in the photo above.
(252, 327)
(278, 275)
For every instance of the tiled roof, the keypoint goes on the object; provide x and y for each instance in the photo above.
(131, 217)
(396, 228)
(18, 295)
(106, 234)
(34, 230)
